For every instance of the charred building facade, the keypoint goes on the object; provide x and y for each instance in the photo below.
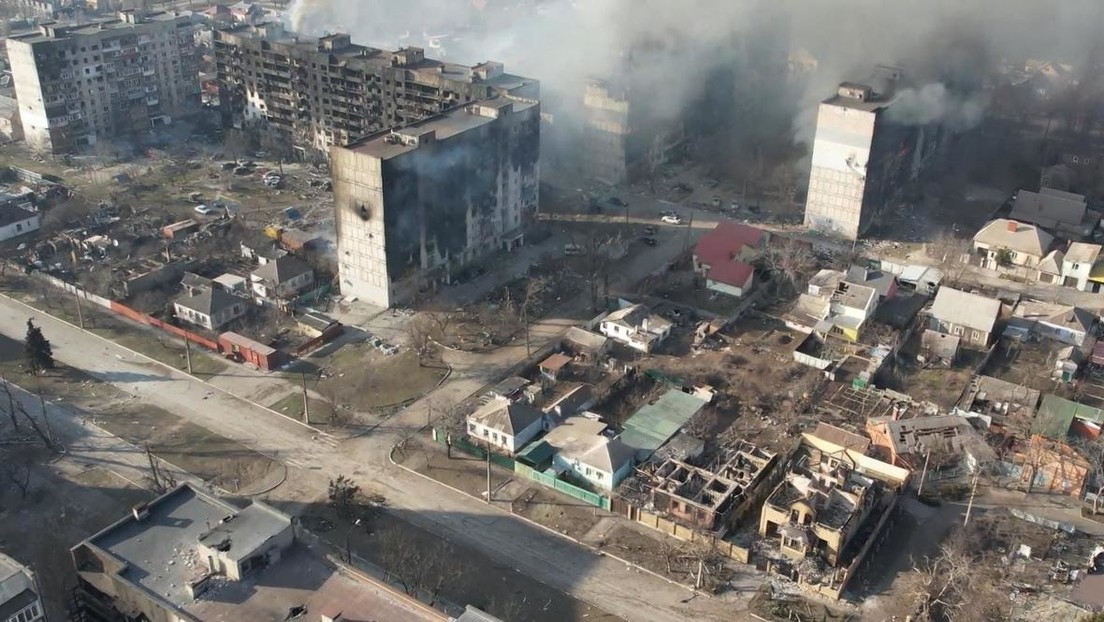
(416, 204)
(79, 84)
(329, 91)
(862, 157)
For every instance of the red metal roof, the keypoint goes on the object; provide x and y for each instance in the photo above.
(735, 273)
(726, 241)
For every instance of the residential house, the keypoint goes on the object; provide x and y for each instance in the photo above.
(999, 406)
(1063, 323)
(506, 424)
(585, 345)
(1079, 267)
(1005, 244)
(1048, 466)
(849, 309)
(968, 316)
(885, 283)
(17, 217)
(20, 599)
(1063, 213)
(945, 442)
(510, 388)
(826, 498)
(209, 307)
(654, 424)
(553, 366)
(722, 257)
(281, 278)
(582, 447)
(636, 327)
(833, 305)
(1052, 268)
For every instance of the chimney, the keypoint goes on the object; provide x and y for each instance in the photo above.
(140, 511)
(1013, 226)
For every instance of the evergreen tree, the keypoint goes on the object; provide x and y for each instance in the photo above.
(40, 356)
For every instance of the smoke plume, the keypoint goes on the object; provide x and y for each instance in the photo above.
(727, 65)
(934, 102)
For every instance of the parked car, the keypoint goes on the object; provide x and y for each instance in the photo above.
(205, 210)
(672, 219)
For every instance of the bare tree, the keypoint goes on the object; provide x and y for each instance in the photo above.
(17, 473)
(161, 481)
(420, 568)
(41, 429)
(790, 263)
(1093, 452)
(533, 286)
(952, 254)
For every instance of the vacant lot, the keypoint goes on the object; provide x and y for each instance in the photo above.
(360, 377)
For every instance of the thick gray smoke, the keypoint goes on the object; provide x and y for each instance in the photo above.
(935, 102)
(688, 54)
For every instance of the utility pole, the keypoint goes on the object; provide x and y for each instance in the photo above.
(188, 352)
(689, 226)
(46, 418)
(80, 314)
(488, 473)
(306, 402)
(973, 491)
(923, 474)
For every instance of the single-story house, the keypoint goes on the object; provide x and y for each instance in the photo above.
(965, 315)
(1078, 265)
(1064, 323)
(1064, 213)
(636, 327)
(885, 283)
(582, 448)
(16, 219)
(283, 277)
(552, 366)
(584, 344)
(505, 424)
(722, 257)
(1057, 417)
(210, 307)
(1004, 243)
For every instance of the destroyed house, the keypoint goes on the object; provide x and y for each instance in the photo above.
(704, 498)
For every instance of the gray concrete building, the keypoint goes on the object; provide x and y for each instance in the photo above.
(623, 140)
(77, 85)
(20, 599)
(862, 157)
(416, 204)
(321, 92)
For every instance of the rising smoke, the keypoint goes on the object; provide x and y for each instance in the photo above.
(725, 61)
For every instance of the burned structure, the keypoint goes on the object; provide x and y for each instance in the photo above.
(708, 498)
(415, 204)
(623, 138)
(80, 84)
(321, 92)
(863, 157)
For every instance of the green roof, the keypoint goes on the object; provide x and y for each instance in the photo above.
(1056, 414)
(536, 454)
(654, 424)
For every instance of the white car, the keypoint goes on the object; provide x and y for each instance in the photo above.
(206, 211)
(672, 219)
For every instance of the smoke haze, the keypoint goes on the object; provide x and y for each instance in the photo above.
(689, 53)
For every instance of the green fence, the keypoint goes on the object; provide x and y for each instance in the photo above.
(469, 447)
(565, 487)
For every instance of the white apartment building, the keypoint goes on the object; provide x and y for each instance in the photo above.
(80, 84)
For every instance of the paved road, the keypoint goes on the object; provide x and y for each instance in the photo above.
(312, 461)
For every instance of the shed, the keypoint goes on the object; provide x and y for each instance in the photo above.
(1056, 415)
(182, 227)
(553, 365)
(650, 427)
(244, 349)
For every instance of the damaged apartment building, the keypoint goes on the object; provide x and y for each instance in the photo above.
(321, 92)
(417, 203)
(623, 138)
(863, 156)
(78, 84)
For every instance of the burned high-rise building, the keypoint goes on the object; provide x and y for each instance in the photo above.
(320, 92)
(78, 84)
(415, 204)
(864, 156)
(622, 139)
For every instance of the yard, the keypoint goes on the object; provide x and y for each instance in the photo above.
(361, 377)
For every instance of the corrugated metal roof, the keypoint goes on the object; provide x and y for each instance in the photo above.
(654, 424)
(1056, 414)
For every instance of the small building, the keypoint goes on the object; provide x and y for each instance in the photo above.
(576, 400)
(944, 442)
(885, 283)
(1000, 405)
(968, 316)
(15, 219)
(826, 498)
(505, 424)
(179, 228)
(706, 499)
(1079, 265)
(552, 366)
(314, 324)
(20, 596)
(1004, 244)
(233, 283)
(1064, 213)
(509, 388)
(1052, 267)
(1063, 323)
(636, 327)
(585, 345)
(1048, 466)
(209, 307)
(281, 278)
(657, 422)
(833, 305)
(722, 257)
(246, 350)
(582, 448)
(1058, 417)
